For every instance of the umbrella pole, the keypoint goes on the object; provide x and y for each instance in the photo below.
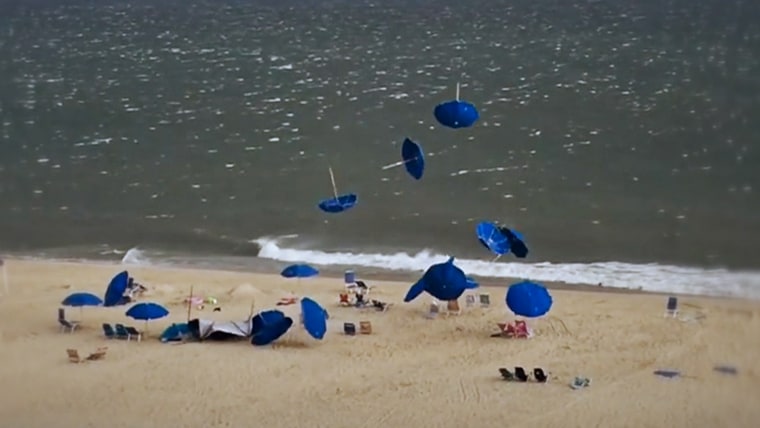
(190, 304)
(457, 91)
(332, 180)
(496, 258)
(5, 276)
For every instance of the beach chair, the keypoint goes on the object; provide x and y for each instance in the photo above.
(469, 300)
(99, 354)
(452, 307)
(520, 374)
(344, 300)
(506, 374)
(433, 310)
(539, 375)
(108, 331)
(485, 300)
(74, 356)
(365, 327)
(133, 332)
(121, 332)
(349, 328)
(64, 323)
(671, 307)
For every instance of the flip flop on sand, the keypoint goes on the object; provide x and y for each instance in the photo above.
(580, 382)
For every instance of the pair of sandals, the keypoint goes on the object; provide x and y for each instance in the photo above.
(521, 376)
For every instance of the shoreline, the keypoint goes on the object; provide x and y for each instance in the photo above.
(374, 274)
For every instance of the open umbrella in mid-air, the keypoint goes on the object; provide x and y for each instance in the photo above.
(492, 238)
(456, 113)
(268, 326)
(412, 158)
(528, 299)
(338, 203)
(444, 281)
(314, 318)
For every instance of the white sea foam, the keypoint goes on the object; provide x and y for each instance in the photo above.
(649, 277)
(135, 256)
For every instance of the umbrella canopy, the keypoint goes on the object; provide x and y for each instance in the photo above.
(492, 238)
(516, 242)
(116, 288)
(338, 203)
(456, 113)
(175, 332)
(147, 311)
(528, 299)
(299, 271)
(471, 283)
(444, 281)
(314, 318)
(414, 159)
(264, 320)
(82, 299)
(272, 332)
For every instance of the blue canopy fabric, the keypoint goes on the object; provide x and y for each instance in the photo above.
(82, 299)
(299, 271)
(471, 283)
(444, 281)
(338, 204)
(528, 299)
(456, 114)
(116, 288)
(516, 242)
(175, 332)
(492, 238)
(265, 319)
(414, 158)
(272, 332)
(314, 318)
(147, 311)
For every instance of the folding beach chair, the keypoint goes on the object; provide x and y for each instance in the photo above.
(469, 300)
(520, 374)
(73, 356)
(485, 300)
(344, 301)
(452, 307)
(671, 308)
(433, 310)
(108, 331)
(99, 354)
(134, 333)
(121, 332)
(539, 375)
(506, 374)
(66, 324)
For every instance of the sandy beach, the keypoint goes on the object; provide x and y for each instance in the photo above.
(411, 371)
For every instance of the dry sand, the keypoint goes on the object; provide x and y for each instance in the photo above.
(411, 372)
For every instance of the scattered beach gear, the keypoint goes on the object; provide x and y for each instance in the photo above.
(518, 330)
(491, 237)
(412, 158)
(671, 307)
(469, 300)
(74, 357)
(444, 281)
(528, 299)
(580, 382)
(338, 203)
(452, 307)
(726, 369)
(116, 288)
(365, 327)
(539, 375)
(456, 113)
(66, 325)
(506, 374)
(485, 300)
(349, 329)
(520, 374)
(314, 318)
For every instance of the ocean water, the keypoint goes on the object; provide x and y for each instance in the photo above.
(621, 139)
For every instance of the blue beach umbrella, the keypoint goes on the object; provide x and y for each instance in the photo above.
(471, 283)
(444, 281)
(314, 318)
(116, 288)
(412, 158)
(492, 238)
(528, 299)
(272, 332)
(147, 311)
(456, 114)
(516, 242)
(264, 320)
(338, 203)
(175, 332)
(82, 299)
(299, 271)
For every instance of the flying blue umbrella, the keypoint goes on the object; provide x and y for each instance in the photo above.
(528, 299)
(412, 158)
(444, 281)
(272, 332)
(299, 271)
(82, 299)
(264, 320)
(516, 242)
(116, 288)
(314, 318)
(492, 238)
(338, 203)
(456, 113)
(147, 311)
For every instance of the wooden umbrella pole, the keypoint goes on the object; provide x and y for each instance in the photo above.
(457, 91)
(332, 180)
(190, 304)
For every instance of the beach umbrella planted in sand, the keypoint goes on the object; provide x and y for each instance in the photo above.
(299, 271)
(444, 281)
(528, 299)
(412, 158)
(80, 300)
(456, 113)
(338, 203)
(116, 288)
(147, 311)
